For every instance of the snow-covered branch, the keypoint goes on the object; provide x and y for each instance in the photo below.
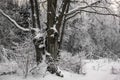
(13, 21)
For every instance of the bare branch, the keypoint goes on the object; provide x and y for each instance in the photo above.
(110, 14)
(95, 11)
(95, 6)
(73, 15)
(79, 8)
(13, 21)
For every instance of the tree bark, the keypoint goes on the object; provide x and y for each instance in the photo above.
(39, 51)
(37, 13)
(51, 20)
(63, 27)
(33, 13)
(56, 22)
(37, 42)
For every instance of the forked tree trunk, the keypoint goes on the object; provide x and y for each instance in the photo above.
(54, 23)
(63, 26)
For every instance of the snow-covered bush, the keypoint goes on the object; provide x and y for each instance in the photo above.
(25, 56)
(9, 67)
(72, 63)
(7, 63)
(115, 68)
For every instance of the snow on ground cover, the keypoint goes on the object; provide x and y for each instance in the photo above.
(67, 76)
(101, 70)
(8, 67)
(95, 70)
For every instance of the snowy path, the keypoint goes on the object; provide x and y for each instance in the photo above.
(96, 70)
(95, 75)
(100, 75)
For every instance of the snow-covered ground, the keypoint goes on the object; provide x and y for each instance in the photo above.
(102, 69)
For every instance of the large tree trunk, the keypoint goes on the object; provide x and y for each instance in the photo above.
(39, 51)
(33, 12)
(53, 30)
(36, 41)
(54, 24)
(37, 13)
(52, 43)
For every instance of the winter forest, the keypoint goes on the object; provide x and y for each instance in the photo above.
(59, 39)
